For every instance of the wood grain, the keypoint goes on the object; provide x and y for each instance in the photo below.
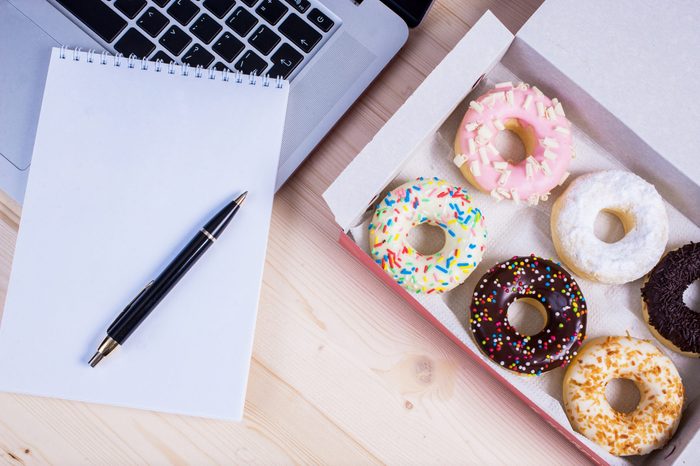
(343, 371)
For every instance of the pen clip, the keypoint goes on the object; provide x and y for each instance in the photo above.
(133, 301)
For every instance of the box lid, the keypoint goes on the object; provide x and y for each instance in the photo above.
(645, 54)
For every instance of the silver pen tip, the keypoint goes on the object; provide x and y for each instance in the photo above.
(96, 359)
(239, 200)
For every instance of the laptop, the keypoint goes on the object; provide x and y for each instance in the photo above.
(330, 50)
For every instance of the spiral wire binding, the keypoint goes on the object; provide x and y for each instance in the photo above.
(199, 71)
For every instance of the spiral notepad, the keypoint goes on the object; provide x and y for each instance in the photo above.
(130, 158)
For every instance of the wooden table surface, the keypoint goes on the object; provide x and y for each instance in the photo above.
(343, 371)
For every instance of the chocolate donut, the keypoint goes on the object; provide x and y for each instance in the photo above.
(669, 319)
(553, 291)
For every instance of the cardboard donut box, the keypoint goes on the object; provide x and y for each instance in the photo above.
(629, 95)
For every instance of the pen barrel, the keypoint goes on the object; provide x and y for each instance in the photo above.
(153, 294)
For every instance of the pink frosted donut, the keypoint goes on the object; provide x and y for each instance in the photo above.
(541, 125)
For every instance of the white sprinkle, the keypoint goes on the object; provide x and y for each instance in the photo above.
(475, 168)
(492, 149)
(551, 114)
(528, 170)
(500, 165)
(499, 95)
(515, 196)
(537, 91)
(563, 178)
(460, 159)
(504, 84)
(559, 109)
(472, 126)
(499, 125)
(495, 195)
(545, 168)
(488, 100)
(484, 132)
(472, 146)
(532, 161)
(503, 179)
(484, 156)
(523, 86)
(548, 154)
(510, 98)
(476, 106)
(540, 109)
(549, 142)
(528, 101)
(503, 192)
(561, 129)
(533, 200)
(573, 152)
(555, 100)
(544, 197)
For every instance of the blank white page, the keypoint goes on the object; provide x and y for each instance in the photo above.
(128, 165)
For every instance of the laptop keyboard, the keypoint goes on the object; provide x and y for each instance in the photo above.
(275, 37)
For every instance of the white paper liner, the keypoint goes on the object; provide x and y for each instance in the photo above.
(516, 230)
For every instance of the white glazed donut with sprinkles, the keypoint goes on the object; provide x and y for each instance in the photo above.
(435, 202)
(543, 128)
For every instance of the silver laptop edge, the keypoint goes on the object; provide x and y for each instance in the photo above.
(370, 34)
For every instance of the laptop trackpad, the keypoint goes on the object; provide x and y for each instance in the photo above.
(24, 55)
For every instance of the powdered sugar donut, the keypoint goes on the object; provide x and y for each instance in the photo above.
(638, 206)
(541, 125)
(656, 417)
(435, 202)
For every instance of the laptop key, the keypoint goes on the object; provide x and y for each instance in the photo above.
(221, 67)
(219, 8)
(264, 39)
(130, 7)
(251, 63)
(241, 21)
(183, 11)
(175, 40)
(284, 60)
(160, 55)
(300, 32)
(152, 21)
(271, 11)
(197, 55)
(228, 46)
(100, 18)
(205, 28)
(300, 5)
(134, 42)
(250, 3)
(320, 20)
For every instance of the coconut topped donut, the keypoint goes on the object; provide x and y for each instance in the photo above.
(543, 128)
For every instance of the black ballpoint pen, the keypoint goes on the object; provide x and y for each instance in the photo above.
(154, 292)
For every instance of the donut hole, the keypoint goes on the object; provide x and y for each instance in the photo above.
(691, 296)
(527, 316)
(426, 238)
(609, 226)
(622, 395)
(516, 141)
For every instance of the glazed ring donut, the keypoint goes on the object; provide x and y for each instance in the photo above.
(543, 129)
(668, 318)
(638, 206)
(435, 202)
(549, 288)
(653, 422)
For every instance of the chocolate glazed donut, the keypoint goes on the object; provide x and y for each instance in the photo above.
(670, 320)
(552, 291)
